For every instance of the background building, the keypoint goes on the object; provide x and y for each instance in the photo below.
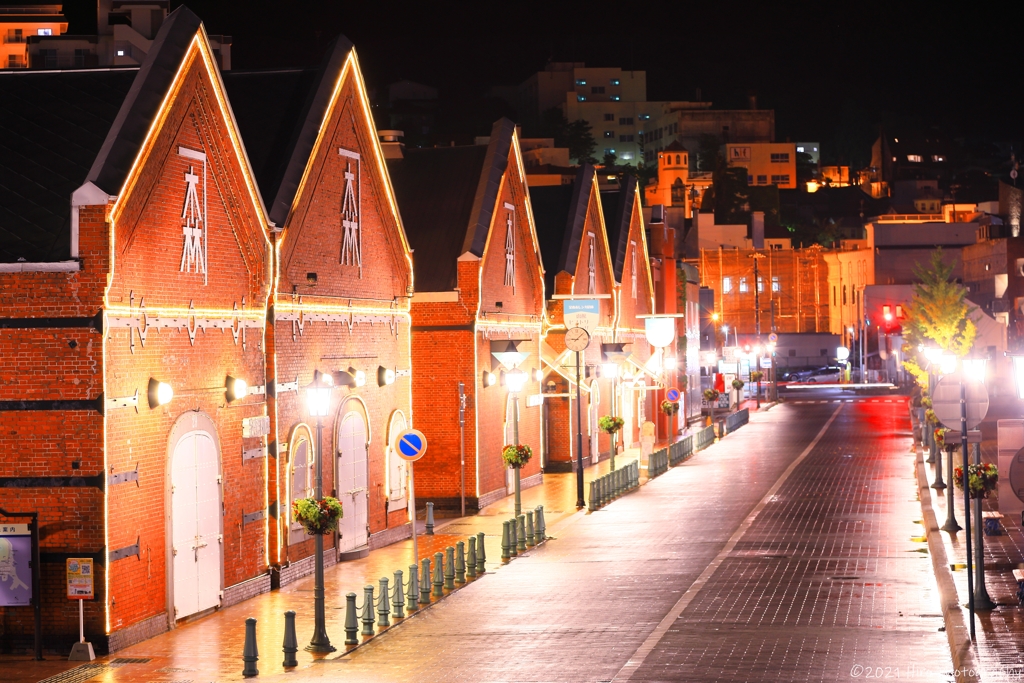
(22, 21)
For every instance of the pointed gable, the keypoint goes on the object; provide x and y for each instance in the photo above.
(324, 180)
(630, 258)
(188, 224)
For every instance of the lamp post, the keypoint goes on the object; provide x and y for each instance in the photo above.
(515, 379)
(974, 369)
(612, 355)
(318, 396)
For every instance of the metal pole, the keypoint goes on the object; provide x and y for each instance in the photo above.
(320, 642)
(982, 600)
(967, 499)
(412, 502)
(515, 434)
(462, 444)
(37, 587)
(81, 621)
(951, 525)
(580, 503)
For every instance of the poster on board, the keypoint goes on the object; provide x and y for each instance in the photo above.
(15, 565)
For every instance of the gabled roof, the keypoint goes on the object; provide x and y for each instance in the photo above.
(560, 213)
(447, 197)
(142, 103)
(279, 114)
(675, 146)
(618, 213)
(52, 125)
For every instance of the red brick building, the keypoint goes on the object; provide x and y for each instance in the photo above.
(577, 265)
(158, 271)
(341, 303)
(479, 286)
(642, 383)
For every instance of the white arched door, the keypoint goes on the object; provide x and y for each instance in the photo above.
(510, 439)
(301, 484)
(352, 482)
(196, 524)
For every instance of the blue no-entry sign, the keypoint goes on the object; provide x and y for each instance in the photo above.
(672, 395)
(410, 445)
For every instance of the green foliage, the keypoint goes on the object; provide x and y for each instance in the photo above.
(711, 395)
(516, 456)
(609, 160)
(318, 517)
(670, 407)
(737, 384)
(756, 376)
(609, 424)
(709, 153)
(938, 315)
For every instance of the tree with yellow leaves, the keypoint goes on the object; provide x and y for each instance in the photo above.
(938, 315)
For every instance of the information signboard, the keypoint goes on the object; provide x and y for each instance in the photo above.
(585, 313)
(15, 565)
(80, 578)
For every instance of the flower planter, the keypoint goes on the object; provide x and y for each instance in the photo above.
(318, 517)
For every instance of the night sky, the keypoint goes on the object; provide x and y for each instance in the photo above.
(833, 72)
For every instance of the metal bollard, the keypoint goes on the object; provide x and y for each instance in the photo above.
(438, 574)
(505, 537)
(430, 519)
(530, 538)
(425, 582)
(513, 532)
(449, 568)
(383, 606)
(291, 643)
(367, 616)
(471, 558)
(398, 601)
(413, 592)
(481, 554)
(351, 621)
(521, 533)
(250, 655)
(542, 527)
(460, 562)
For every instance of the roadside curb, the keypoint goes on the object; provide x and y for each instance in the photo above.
(965, 661)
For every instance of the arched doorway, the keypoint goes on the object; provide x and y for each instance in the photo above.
(196, 533)
(301, 481)
(398, 468)
(351, 477)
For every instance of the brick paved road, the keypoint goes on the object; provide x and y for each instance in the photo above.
(777, 608)
(824, 577)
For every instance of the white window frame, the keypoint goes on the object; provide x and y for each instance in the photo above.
(396, 466)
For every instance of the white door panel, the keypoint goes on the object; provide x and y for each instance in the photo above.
(352, 482)
(196, 524)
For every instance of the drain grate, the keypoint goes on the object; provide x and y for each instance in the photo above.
(130, 660)
(79, 674)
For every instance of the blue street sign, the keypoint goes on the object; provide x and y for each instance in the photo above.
(410, 445)
(672, 395)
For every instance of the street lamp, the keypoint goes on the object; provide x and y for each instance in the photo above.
(510, 357)
(515, 380)
(973, 369)
(318, 402)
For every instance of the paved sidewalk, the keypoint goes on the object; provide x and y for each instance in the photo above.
(999, 649)
(215, 641)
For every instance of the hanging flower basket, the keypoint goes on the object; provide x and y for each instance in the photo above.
(981, 479)
(756, 376)
(711, 395)
(609, 424)
(940, 436)
(318, 517)
(737, 384)
(515, 456)
(670, 407)
(930, 417)
(926, 402)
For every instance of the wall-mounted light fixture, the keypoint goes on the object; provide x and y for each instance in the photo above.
(538, 375)
(358, 375)
(489, 379)
(236, 388)
(385, 376)
(160, 393)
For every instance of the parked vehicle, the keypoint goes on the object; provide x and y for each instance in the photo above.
(824, 375)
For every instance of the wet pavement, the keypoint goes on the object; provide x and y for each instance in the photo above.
(783, 552)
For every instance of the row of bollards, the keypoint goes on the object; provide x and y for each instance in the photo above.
(610, 486)
(395, 600)
(522, 532)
